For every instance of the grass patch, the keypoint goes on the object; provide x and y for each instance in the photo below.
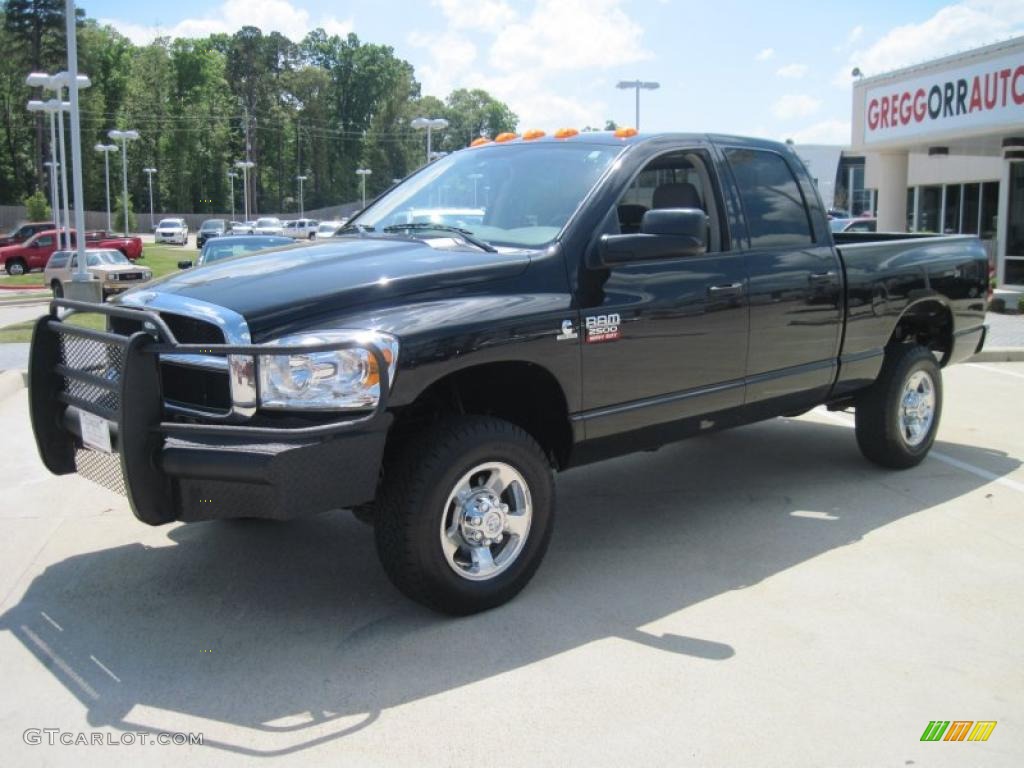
(22, 332)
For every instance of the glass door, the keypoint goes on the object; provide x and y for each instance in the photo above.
(1013, 273)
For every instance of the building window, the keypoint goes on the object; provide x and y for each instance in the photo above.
(951, 213)
(929, 209)
(989, 209)
(972, 209)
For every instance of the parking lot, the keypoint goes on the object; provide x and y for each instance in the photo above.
(760, 596)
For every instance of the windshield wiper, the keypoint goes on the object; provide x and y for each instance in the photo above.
(360, 228)
(465, 234)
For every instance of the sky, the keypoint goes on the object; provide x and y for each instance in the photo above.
(777, 70)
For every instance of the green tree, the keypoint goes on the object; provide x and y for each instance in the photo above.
(36, 207)
(118, 216)
(475, 113)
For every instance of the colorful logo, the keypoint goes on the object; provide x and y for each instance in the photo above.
(958, 730)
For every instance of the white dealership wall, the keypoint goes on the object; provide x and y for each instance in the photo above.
(954, 120)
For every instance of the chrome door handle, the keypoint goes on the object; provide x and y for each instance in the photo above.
(732, 289)
(822, 276)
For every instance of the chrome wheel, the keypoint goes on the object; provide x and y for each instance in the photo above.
(917, 408)
(486, 521)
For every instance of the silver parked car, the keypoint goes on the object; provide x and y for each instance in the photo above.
(110, 267)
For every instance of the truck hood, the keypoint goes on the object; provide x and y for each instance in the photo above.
(291, 288)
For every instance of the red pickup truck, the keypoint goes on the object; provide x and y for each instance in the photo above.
(36, 251)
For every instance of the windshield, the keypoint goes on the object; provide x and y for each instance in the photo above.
(170, 223)
(215, 251)
(95, 258)
(268, 223)
(518, 196)
(213, 224)
(838, 225)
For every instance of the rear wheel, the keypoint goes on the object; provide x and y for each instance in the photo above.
(465, 514)
(16, 267)
(898, 417)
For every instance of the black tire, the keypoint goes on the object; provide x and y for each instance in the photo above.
(58, 289)
(879, 433)
(16, 267)
(411, 507)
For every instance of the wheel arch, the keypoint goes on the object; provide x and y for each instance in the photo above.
(928, 321)
(510, 390)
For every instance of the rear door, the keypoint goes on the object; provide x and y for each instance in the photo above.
(795, 282)
(664, 341)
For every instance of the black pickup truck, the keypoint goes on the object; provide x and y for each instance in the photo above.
(512, 309)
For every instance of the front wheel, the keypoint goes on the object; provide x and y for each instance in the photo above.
(58, 289)
(898, 417)
(465, 515)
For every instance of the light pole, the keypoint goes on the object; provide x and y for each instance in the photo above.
(106, 149)
(475, 177)
(52, 108)
(231, 180)
(57, 107)
(149, 172)
(362, 173)
(301, 179)
(638, 85)
(124, 137)
(245, 165)
(431, 124)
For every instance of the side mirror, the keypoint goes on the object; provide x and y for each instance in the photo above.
(184, 265)
(36, 244)
(665, 233)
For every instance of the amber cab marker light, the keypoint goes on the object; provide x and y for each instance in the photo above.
(533, 133)
(625, 133)
(479, 142)
(503, 137)
(566, 133)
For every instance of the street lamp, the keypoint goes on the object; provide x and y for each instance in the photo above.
(231, 180)
(149, 172)
(106, 149)
(245, 165)
(124, 137)
(53, 107)
(301, 179)
(638, 85)
(430, 124)
(362, 173)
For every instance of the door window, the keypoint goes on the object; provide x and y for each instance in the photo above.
(673, 180)
(775, 208)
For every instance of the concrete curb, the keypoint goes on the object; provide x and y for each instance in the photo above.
(999, 355)
(11, 382)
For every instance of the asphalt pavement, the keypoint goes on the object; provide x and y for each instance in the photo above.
(756, 597)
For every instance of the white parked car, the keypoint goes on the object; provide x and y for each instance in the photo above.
(301, 229)
(328, 228)
(110, 267)
(171, 231)
(268, 225)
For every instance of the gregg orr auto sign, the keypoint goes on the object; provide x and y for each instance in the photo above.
(989, 93)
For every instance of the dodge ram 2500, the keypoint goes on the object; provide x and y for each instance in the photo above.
(617, 292)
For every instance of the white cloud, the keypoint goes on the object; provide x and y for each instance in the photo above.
(956, 27)
(792, 71)
(570, 35)
(451, 57)
(269, 15)
(855, 35)
(831, 131)
(489, 15)
(765, 54)
(795, 105)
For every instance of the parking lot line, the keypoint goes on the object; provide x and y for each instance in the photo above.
(976, 471)
(990, 369)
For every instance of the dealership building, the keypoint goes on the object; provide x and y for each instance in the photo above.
(940, 148)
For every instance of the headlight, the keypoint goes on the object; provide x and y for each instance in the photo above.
(338, 380)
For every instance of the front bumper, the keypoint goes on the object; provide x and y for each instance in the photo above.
(185, 469)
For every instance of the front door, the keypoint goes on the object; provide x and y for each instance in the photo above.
(667, 340)
(1013, 264)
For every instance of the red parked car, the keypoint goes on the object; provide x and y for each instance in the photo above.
(24, 232)
(36, 251)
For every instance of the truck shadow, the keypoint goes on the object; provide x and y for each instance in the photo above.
(272, 638)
